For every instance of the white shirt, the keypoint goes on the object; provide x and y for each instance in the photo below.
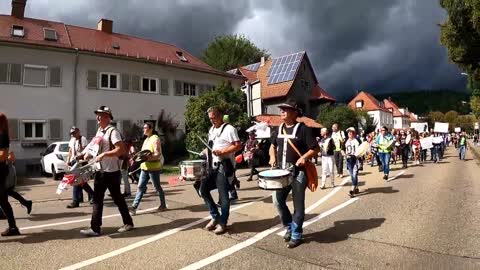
(351, 146)
(74, 145)
(220, 141)
(101, 144)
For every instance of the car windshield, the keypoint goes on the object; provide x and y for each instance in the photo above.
(63, 147)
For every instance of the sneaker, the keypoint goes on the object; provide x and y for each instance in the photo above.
(125, 228)
(162, 208)
(132, 211)
(126, 195)
(73, 205)
(293, 243)
(11, 232)
(89, 232)
(287, 236)
(351, 193)
(91, 201)
(211, 225)
(385, 177)
(322, 187)
(249, 179)
(333, 185)
(356, 190)
(221, 229)
(28, 205)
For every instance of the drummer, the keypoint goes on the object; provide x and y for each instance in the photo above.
(225, 142)
(150, 169)
(284, 156)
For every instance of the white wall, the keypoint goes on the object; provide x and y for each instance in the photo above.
(256, 99)
(382, 118)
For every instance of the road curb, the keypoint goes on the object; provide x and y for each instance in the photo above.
(475, 151)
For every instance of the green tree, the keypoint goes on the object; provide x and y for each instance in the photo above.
(341, 114)
(232, 51)
(450, 117)
(475, 103)
(229, 100)
(367, 122)
(435, 117)
(460, 34)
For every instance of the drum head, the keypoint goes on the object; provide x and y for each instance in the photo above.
(141, 156)
(274, 173)
(192, 162)
(362, 149)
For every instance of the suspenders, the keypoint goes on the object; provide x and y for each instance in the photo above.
(285, 138)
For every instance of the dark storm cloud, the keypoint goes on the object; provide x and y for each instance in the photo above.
(373, 45)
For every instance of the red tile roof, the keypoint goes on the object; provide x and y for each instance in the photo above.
(275, 120)
(250, 75)
(391, 105)
(412, 117)
(98, 42)
(370, 103)
(319, 93)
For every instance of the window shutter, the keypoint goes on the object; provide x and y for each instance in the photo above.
(55, 129)
(164, 87)
(13, 129)
(178, 88)
(55, 77)
(3, 73)
(125, 82)
(92, 79)
(91, 128)
(15, 73)
(135, 83)
(126, 126)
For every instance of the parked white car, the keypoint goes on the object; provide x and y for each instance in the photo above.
(54, 159)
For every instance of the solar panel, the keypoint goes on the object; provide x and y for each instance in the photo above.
(283, 68)
(253, 67)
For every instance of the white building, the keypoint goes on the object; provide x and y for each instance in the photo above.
(53, 76)
(376, 109)
(401, 116)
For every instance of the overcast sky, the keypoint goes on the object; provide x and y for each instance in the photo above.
(373, 45)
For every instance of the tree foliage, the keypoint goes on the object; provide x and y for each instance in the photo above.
(232, 51)
(460, 34)
(341, 114)
(367, 122)
(475, 103)
(435, 116)
(229, 100)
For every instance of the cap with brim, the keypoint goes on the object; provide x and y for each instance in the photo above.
(104, 109)
(292, 105)
(351, 129)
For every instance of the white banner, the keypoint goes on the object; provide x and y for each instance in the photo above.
(440, 127)
(426, 143)
(457, 129)
(420, 127)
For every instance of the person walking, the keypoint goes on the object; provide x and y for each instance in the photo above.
(106, 147)
(150, 169)
(385, 142)
(462, 142)
(327, 147)
(339, 139)
(250, 154)
(4, 204)
(353, 163)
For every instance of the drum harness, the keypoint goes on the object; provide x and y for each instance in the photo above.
(285, 138)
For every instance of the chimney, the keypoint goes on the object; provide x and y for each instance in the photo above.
(105, 25)
(262, 61)
(18, 8)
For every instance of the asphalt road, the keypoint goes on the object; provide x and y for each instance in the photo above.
(427, 217)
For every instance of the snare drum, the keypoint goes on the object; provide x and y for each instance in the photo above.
(273, 179)
(193, 169)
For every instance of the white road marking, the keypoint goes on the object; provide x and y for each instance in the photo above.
(150, 239)
(392, 178)
(229, 251)
(77, 221)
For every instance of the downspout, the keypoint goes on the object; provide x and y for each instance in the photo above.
(75, 88)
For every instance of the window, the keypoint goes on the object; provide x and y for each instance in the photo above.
(10, 73)
(181, 56)
(50, 34)
(149, 85)
(55, 77)
(17, 31)
(34, 130)
(109, 81)
(359, 104)
(189, 89)
(34, 75)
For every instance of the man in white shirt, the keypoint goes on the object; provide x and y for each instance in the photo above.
(225, 143)
(75, 147)
(106, 147)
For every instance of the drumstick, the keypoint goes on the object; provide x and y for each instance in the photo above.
(195, 153)
(206, 144)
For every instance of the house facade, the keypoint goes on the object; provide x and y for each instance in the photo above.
(401, 116)
(53, 76)
(273, 81)
(375, 109)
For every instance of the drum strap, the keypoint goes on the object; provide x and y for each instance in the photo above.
(286, 139)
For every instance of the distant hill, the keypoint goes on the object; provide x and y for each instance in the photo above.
(422, 102)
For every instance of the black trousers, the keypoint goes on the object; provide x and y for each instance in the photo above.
(4, 204)
(110, 181)
(337, 155)
(405, 155)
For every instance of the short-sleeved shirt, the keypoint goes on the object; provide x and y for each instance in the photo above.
(102, 141)
(303, 140)
(222, 139)
(351, 146)
(74, 144)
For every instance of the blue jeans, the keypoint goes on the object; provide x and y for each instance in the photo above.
(223, 187)
(352, 167)
(436, 151)
(293, 224)
(462, 150)
(385, 159)
(77, 195)
(142, 187)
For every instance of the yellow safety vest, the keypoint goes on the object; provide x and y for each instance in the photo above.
(149, 144)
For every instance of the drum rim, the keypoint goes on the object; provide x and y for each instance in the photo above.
(274, 176)
(195, 161)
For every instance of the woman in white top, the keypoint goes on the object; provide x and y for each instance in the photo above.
(351, 146)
